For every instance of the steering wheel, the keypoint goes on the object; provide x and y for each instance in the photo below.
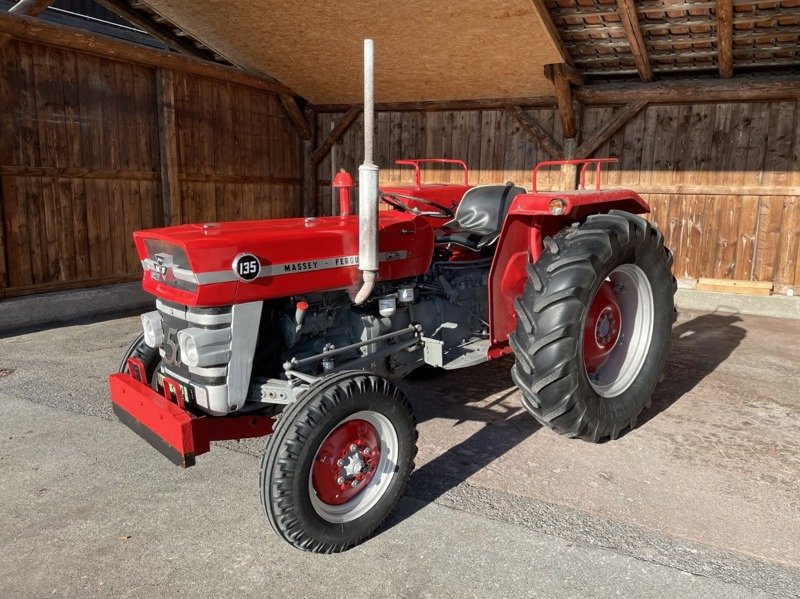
(399, 201)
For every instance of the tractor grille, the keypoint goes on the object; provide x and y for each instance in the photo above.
(177, 317)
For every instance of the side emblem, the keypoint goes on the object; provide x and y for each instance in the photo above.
(246, 267)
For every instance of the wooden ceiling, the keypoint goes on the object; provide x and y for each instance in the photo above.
(439, 50)
(425, 49)
(678, 36)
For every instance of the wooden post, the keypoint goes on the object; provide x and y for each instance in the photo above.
(630, 23)
(725, 38)
(309, 167)
(562, 76)
(569, 172)
(168, 143)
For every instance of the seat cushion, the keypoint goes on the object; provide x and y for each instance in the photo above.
(480, 215)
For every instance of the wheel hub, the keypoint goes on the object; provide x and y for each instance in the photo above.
(603, 325)
(345, 462)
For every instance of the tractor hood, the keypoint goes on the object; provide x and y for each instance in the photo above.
(217, 264)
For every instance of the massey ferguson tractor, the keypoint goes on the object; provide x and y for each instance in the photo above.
(295, 329)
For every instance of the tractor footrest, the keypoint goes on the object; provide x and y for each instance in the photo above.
(170, 428)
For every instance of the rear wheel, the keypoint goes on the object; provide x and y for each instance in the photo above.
(338, 462)
(594, 325)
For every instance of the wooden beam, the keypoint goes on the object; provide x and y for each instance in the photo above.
(295, 114)
(541, 10)
(725, 38)
(341, 127)
(69, 38)
(309, 167)
(30, 8)
(569, 73)
(161, 32)
(535, 130)
(694, 91)
(168, 144)
(434, 105)
(686, 91)
(561, 76)
(620, 118)
(630, 22)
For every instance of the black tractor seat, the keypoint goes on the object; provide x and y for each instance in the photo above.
(480, 215)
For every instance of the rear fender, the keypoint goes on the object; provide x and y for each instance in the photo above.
(520, 243)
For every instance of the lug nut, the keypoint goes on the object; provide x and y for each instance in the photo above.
(367, 451)
(340, 481)
(353, 447)
(340, 463)
(354, 484)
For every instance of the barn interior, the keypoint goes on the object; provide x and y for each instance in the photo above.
(198, 112)
(122, 115)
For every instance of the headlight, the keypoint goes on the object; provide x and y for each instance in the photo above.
(189, 350)
(204, 347)
(151, 326)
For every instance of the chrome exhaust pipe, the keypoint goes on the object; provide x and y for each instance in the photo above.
(368, 177)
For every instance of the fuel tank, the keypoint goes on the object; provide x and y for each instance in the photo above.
(219, 264)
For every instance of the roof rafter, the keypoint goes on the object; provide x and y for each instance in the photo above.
(30, 8)
(630, 22)
(543, 12)
(179, 43)
(725, 38)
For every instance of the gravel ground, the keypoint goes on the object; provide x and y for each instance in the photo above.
(699, 501)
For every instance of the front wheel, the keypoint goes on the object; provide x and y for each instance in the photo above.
(338, 462)
(593, 326)
(148, 355)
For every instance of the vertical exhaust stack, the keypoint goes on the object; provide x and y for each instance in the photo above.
(368, 187)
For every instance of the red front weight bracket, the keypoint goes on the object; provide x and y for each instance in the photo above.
(173, 389)
(136, 370)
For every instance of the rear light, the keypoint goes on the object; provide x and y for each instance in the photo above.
(558, 206)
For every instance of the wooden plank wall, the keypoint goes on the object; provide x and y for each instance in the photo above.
(80, 163)
(723, 179)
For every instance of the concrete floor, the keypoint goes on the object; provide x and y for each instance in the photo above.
(701, 500)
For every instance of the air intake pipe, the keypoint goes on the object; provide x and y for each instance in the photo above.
(368, 187)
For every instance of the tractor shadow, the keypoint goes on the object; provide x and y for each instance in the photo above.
(462, 396)
(698, 347)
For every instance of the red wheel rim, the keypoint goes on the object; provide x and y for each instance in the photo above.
(602, 329)
(346, 462)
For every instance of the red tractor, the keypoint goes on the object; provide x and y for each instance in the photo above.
(304, 323)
